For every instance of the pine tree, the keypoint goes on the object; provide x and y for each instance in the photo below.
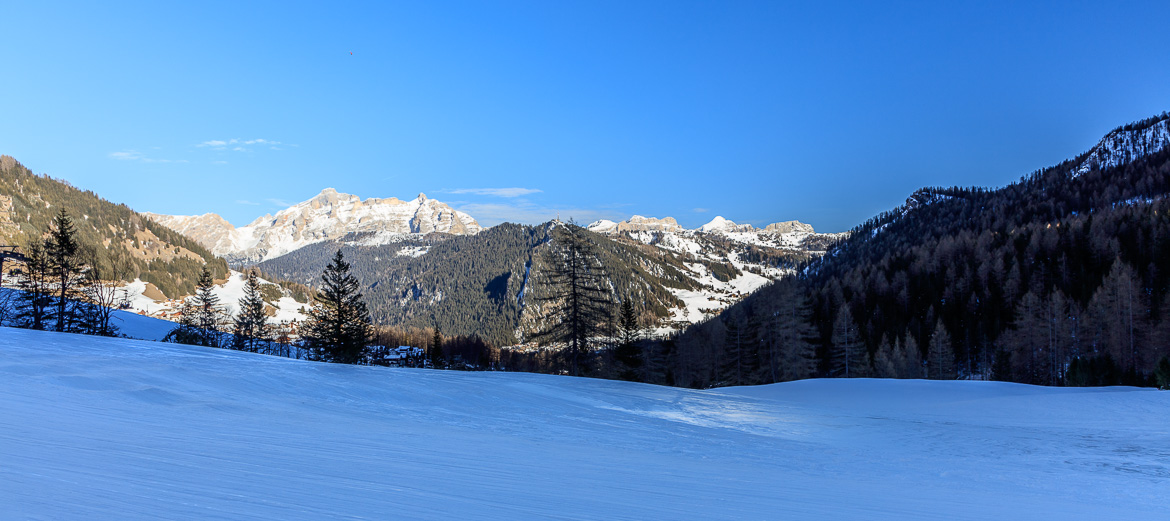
(1162, 373)
(627, 354)
(849, 357)
(61, 249)
(436, 353)
(338, 328)
(1001, 367)
(252, 331)
(942, 355)
(207, 315)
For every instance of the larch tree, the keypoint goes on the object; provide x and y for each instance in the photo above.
(884, 364)
(909, 358)
(100, 297)
(576, 295)
(849, 358)
(734, 369)
(787, 333)
(35, 298)
(1116, 312)
(942, 355)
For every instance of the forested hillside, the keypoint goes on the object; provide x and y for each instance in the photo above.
(1060, 278)
(121, 242)
(482, 284)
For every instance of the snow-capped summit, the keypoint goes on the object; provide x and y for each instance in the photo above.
(719, 224)
(602, 226)
(329, 215)
(1128, 143)
(666, 232)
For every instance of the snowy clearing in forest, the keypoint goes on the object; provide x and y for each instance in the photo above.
(94, 428)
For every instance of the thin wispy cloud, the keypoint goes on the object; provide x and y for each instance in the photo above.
(126, 156)
(280, 202)
(134, 155)
(247, 202)
(240, 145)
(497, 192)
(701, 210)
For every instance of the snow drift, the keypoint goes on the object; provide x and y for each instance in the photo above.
(95, 428)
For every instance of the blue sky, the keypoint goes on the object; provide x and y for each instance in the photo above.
(758, 111)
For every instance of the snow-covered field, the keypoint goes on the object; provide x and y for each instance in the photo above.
(129, 324)
(117, 429)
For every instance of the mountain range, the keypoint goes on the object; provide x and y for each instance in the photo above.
(329, 215)
(415, 260)
(1022, 282)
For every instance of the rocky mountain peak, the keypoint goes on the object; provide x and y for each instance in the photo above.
(329, 215)
(788, 227)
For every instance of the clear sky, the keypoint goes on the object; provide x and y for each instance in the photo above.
(515, 111)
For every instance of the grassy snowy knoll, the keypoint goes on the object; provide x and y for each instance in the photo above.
(96, 428)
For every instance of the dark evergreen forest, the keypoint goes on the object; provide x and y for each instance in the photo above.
(482, 284)
(1059, 279)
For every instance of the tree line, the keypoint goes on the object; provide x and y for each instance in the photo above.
(62, 286)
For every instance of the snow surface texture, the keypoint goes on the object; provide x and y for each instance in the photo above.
(115, 429)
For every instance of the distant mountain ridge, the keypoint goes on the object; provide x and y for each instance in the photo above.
(1127, 143)
(786, 235)
(328, 216)
(124, 243)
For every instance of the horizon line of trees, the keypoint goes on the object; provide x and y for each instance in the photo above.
(1116, 335)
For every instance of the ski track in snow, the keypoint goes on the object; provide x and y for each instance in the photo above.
(95, 428)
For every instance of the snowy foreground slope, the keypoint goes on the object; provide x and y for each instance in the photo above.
(120, 429)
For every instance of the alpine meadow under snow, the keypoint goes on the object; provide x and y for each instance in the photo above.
(98, 428)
